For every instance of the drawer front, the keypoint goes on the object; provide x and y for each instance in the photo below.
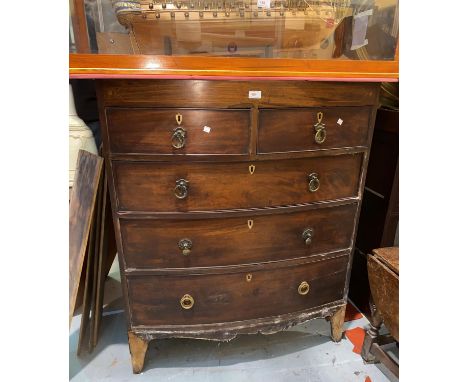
(156, 300)
(200, 93)
(287, 130)
(157, 131)
(151, 186)
(171, 243)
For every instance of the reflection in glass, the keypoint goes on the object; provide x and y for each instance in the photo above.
(301, 29)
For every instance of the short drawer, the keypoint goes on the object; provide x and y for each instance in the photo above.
(182, 187)
(170, 243)
(212, 298)
(178, 131)
(289, 130)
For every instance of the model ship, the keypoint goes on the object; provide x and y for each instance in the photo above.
(260, 28)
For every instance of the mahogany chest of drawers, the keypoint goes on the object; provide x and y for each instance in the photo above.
(235, 212)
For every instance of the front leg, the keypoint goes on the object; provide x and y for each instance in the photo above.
(138, 347)
(371, 335)
(336, 323)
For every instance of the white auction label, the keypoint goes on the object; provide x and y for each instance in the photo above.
(255, 94)
(206, 129)
(340, 121)
(263, 3)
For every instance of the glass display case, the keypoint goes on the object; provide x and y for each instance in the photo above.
(251, 38)
(338, 30)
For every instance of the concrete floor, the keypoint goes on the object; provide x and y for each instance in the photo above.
(302, 353)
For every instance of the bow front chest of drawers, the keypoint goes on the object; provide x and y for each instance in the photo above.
(234, 202)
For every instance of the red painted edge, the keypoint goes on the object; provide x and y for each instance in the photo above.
(227, 78)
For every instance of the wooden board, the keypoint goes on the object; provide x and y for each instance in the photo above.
(95, 261)
(101, 270)
(82, 201)
(180, 67)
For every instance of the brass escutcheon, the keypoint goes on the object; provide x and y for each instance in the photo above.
(178, 118)
(319, 116)
(303, 288)
(250, 224)
(187, 301)
(251, 169)
(248, 277)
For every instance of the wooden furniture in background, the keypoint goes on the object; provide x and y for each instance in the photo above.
(234, 214)
(378, 223)
(92, 245)
(383, 268)
(82, 210)
(101, 253)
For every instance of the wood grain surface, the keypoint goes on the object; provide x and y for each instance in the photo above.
(235, 94)
(82, 204)
(153, 243)
(149, 131)
(152, 66)
(384, 285)
(149, 186)
(285, 130)
(155, 300)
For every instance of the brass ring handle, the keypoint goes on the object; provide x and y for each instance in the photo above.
(307, 235)
(185, 245)
(178, 138)
(303, 288)
(320, 136)
(314, 182)
(187, 301)
(181, 188)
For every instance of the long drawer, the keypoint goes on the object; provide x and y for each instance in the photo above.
(309, 129)
(211, 298)
(176, 243)
(182, 187)
(178, 131)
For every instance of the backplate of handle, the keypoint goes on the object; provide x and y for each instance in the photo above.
(314, 182)
(187, 301)
(181, 188)
(303, 288)
(185, 245)
(178, 138)
(307, 235)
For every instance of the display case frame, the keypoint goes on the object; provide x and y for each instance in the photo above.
(84, 64)
(180, 67)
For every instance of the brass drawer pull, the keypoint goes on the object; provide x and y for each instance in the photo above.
(181, 188)
(307, 235)
(314, 182)
(303, 288)
(187, 301)
(320, 132)
(320, 136)
(185, 245)
(178, 138)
